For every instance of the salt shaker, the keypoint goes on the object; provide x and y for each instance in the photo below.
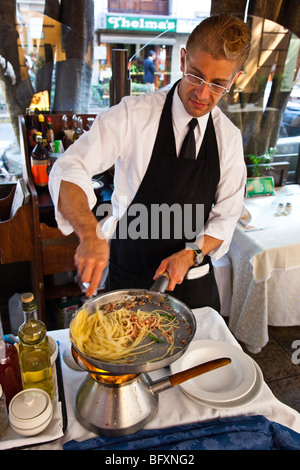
(3, 413)
(280, 209)
(288, 208)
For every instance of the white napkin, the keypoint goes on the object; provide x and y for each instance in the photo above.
(199, 271)
(245, 217)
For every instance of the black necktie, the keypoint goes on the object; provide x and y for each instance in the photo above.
(188, 149)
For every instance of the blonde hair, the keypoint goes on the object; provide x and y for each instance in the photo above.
(223, 36)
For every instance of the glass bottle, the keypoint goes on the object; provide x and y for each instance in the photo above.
(65, 126)
(80, 129)
(43, 130)
(10, 374)
(50, 134)
(40, 163)
(75, 127)
(3, 413)
(66, 133)
(90, 121)
(31, 129)
(34, 352)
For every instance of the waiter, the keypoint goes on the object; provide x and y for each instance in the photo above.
(202, 188)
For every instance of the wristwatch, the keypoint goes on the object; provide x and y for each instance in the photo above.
(198, 257)
(198, 253)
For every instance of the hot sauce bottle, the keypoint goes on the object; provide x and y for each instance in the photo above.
(40, 162)
(43, 130)
(10, 374)
(50, 134)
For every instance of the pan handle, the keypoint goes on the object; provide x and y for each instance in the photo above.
(179, 377)
(161, 283)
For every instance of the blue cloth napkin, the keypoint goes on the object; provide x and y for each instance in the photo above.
(245, 433)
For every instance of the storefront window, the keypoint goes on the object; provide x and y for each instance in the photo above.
(162, 58)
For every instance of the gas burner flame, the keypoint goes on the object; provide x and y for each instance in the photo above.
(100, 375)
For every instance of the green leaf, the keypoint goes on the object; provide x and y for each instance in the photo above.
(154, 338)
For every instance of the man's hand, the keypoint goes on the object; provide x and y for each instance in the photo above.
(176, 266)
(91, 258)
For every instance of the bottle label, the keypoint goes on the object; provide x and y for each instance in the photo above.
(40, 171)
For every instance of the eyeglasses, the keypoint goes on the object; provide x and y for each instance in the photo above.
(197, 81)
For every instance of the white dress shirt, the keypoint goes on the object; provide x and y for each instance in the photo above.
(124, 136)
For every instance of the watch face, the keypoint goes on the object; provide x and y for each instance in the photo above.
(198, 257)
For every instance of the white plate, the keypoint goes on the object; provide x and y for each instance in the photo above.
(225, 384)
(69, 360)
(245, 400)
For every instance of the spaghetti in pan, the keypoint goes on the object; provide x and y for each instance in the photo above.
(117, 333)
(132, 330)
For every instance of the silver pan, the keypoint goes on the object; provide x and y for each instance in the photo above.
(153, 298)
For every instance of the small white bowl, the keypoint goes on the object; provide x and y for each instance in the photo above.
(30, 411)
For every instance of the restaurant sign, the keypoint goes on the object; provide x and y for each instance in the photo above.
(134, 23)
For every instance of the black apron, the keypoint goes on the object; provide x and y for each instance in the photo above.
(175, 183)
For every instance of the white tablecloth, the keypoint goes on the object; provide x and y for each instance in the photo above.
(266, 269)
(175, 407)
(276, 245)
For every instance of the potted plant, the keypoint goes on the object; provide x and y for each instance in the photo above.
(264, 165)
(259, 164)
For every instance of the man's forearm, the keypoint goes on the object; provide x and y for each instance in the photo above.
(208, 244)
(73, 205)
(92, 253)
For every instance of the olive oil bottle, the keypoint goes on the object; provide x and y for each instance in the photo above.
(34, 352)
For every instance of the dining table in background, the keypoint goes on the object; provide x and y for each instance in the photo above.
(265, 263)
(175, 407)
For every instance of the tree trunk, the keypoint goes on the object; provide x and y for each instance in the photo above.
(52, 9)
(267, 59)
(234, 7)
(74, 55)
(18, 88)
(48, 44)
(284, 12)
(74, 73)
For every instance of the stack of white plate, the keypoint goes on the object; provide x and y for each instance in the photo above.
(230, 386)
